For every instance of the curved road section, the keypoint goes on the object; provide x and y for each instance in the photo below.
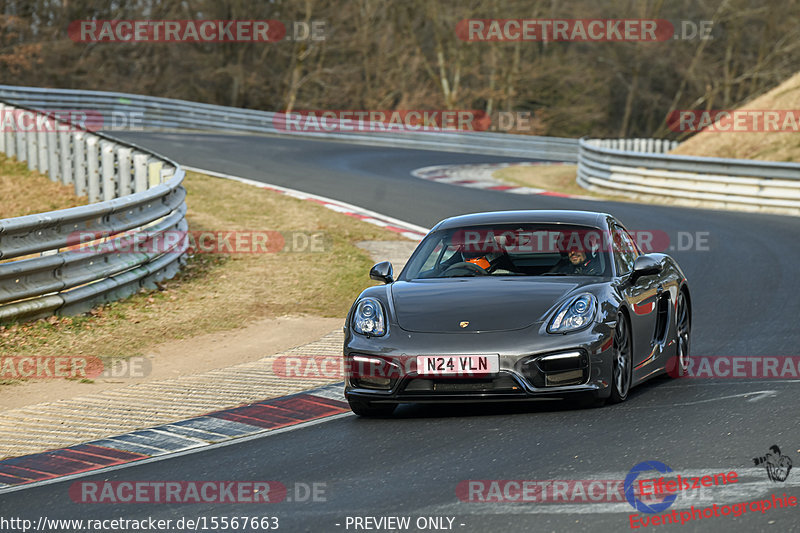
(462, 468)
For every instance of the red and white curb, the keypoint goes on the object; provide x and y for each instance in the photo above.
(481, 176)
(405, 229)
(216, 429)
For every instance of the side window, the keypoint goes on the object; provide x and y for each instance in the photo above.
(625, 252)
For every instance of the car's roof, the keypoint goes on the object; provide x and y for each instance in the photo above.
(580, 218)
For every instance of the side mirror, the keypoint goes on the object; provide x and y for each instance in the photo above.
(382, 272)
(645, 265)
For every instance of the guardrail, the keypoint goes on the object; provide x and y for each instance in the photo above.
(136, 189)
(170, 114)
(728, 183)
(50, 270)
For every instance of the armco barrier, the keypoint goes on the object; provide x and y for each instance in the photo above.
(41, 270)
(151, 112)
(135, 187)
(729, 183)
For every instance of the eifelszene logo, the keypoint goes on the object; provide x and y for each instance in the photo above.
(630, 488)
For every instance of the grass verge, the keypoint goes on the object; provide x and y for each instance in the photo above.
(554, 178)
(26, 192)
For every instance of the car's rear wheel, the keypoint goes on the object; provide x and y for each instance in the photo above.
(622, 366)
(683, 330)
(369, 409)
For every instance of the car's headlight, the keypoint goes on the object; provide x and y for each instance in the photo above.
(368, 318)
(575, 314)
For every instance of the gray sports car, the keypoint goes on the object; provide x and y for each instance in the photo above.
(517, 305)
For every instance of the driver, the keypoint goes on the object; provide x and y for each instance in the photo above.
(578, 264)
(490, 258)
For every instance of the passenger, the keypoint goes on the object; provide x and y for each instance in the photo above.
(578, 264)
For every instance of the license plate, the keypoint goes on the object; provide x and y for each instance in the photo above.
(457, 365)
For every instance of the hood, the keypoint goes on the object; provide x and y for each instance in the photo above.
(440, 305)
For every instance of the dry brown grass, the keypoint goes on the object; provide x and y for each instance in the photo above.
(772, 146)
(554, 178)
(27, 192)
(216, 292)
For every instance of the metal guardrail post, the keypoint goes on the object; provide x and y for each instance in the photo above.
(42, 155)
(79, 163)
(108, 170)
(140, 172)
(65, 154)
(154, 173)
(22, 145)
(93, 167)
(124, 169)
(52, 155)
(32, 150)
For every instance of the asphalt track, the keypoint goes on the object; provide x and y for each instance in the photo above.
(743, 290)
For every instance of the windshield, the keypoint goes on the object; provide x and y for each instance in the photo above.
(511, 250)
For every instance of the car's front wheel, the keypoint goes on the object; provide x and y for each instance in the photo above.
(622, 367)
(369, 409)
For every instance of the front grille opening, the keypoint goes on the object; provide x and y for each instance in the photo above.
(662, 319)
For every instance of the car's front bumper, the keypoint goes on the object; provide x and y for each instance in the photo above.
(521, 376)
